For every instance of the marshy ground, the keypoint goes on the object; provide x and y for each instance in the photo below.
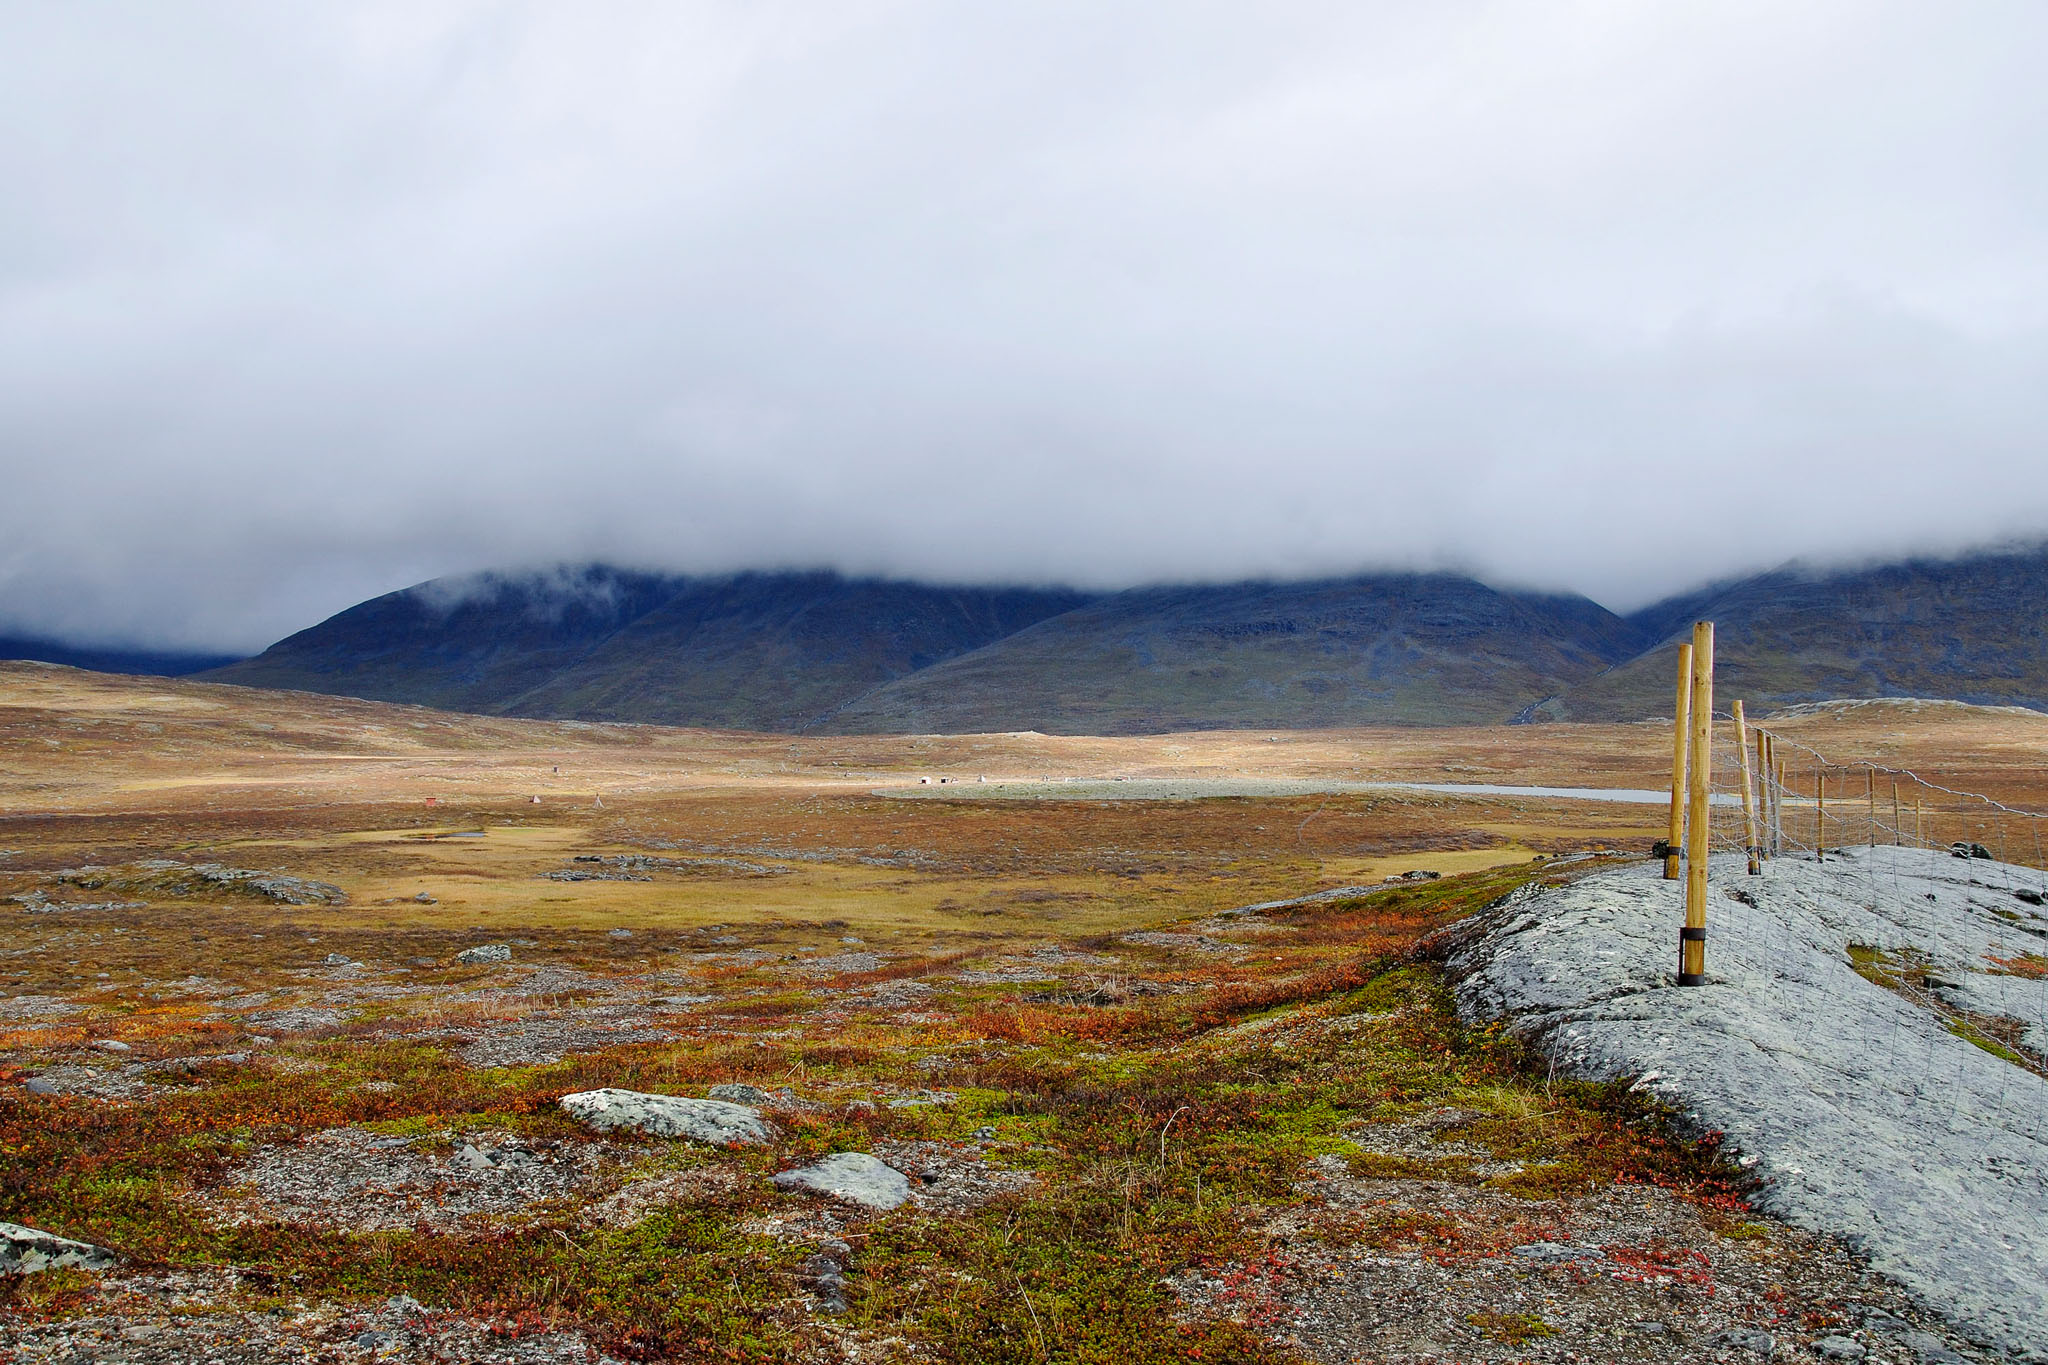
(1137, 1127)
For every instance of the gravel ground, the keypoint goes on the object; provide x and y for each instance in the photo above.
(182, 1317)
(1860, 1108)
(351, 1178)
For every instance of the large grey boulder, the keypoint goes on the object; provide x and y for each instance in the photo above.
(485, 953)
(853, 1176)
(24, 1251)
(713, 1121)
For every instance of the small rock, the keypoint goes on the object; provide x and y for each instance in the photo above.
(485, 952)
(424, 899)
(24, 1251)
(112, 1045)
(1750, 1339)
(338, 960)
(620, 933)
(39, 1086)
(712, 1121)
(1931, 1349)
(376, 1341)
(853, 1176)
(1650, 1329)
(985, 1133)
(1839, 1348)
(404, 1306)
(473, 1158)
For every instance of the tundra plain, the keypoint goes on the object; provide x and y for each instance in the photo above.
(242, 1050)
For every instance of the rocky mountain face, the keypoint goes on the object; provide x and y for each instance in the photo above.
(763, 651)
(1973, 629)
(819, 652)
(1399, 649)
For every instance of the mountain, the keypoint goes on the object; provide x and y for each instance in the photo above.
(153, 663)
(763, 651)
(1973, 629)
(1402, 649)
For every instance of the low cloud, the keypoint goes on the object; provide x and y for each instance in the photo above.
(301, 305)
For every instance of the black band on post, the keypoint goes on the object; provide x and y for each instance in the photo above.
(1688, 934)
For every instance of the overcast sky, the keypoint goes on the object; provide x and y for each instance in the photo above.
(301, 303)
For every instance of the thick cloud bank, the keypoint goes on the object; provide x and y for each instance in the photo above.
(301, 303)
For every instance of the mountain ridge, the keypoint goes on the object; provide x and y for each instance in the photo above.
(818, 652)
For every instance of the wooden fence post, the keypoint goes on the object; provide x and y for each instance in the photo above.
(1778, 802)
(1820, 814)
(1870, 795)
(1763, 788)
(1692, 939)
(1681, 720)
(1749, 840)
(1919, 831)
(1898, 825)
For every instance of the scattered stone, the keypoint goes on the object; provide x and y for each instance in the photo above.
(1420, 876)
(112, 1045)
(339, 960)
(1929, 1348)
(1966, 850)
(1839, 1348)
(25, 1251)
(1753, 1340)
(619, 933)
(424, 899)
(710, 1121)
(485, 953)
(854, 1177)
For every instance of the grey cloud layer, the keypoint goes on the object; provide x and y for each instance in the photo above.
(298, 304)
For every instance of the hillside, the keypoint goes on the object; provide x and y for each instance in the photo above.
(161, 663)
(747, 651)
(1405, 649)
(1968, 629)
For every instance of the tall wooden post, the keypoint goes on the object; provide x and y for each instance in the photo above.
(1763, 789)
(1870, 795)
(1919, 831)
(1749, 839)
(1692, 939)
(1778, 800)
(1820, 815)
(1681, 723)
(1898, 825)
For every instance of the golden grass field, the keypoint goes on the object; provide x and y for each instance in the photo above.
(821, 920)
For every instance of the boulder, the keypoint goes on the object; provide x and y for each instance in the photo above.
(714, 1121)
(24, 1251)
(483, 953)
(854, 1177)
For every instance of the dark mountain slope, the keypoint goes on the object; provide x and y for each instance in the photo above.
(779, 652)
(754, 651)
(466, 644)
(151, 662)
(1973, 629)
(1405, 649)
